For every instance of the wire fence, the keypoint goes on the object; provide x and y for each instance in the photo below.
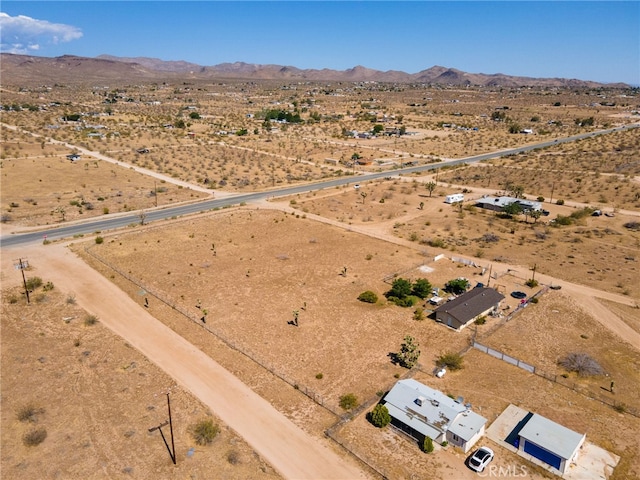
(563, 380)
(199, 319)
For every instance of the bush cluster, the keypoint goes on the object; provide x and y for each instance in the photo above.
(205, 431)
(405, 294)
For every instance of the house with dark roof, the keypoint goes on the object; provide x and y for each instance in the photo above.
(421, 411)
(461, 311)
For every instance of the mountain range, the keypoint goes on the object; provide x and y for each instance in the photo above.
(30, 70)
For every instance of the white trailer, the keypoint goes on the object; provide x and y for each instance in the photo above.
(454, 198)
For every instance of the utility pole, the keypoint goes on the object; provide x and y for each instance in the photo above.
(172, 450)
(553, 186)
(533, 277)
(155, 191)
(21, 265)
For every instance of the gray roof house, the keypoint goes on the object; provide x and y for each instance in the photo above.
(498, 203)
(460, 311)
(421, 411)
(550, 442)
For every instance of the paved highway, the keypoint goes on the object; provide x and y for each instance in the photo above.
(118, 221)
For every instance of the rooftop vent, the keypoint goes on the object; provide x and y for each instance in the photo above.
(420, 400)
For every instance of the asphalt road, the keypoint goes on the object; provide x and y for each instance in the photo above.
(119, 221)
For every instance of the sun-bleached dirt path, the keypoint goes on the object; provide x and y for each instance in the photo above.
(289, 450)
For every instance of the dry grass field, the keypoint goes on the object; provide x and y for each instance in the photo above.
(245, 271)
(96, 397)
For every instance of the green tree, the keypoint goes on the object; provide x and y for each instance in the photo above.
(514, 128)
(400, 288)
(512, 209)
(377, 128)
(457, 286)
(421, 288)
(409, 352)
(194, 115)
(179, 124)
(379, 416)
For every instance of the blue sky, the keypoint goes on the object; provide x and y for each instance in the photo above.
(590, 40)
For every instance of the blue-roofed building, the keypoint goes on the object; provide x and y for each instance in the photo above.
(421, 411)
(550, 442)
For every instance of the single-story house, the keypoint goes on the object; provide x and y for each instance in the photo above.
(550, 442)
(498, 203)
(421, 412)
(460, 311)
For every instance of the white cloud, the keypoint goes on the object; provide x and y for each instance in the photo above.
(22, 34)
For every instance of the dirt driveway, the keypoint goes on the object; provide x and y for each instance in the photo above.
(289, 450)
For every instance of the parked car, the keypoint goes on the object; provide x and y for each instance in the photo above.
(480, 459)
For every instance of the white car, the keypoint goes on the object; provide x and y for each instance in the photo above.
(480, 459)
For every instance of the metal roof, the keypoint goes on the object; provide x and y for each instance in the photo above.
(431, 412)
(471, 304)
(552, 436)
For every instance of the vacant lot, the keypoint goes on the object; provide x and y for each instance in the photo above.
(96, 397)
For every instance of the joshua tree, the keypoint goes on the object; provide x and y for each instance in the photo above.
(431, 186)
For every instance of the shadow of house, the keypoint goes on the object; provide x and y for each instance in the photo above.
(421, 412)
(461, 311)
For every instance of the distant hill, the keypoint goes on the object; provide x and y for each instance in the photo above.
(69, 69)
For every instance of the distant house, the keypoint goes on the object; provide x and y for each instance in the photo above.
(549, 442)
(73, 157)
(421, 411)
(498, 203)
(454, 198)
(460, 311)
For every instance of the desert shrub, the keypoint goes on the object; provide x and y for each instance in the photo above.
(99, 240)
(48, 286)
(534, 300)
(348, 401)
(418, 314)
(563, 220)
(583, 212)
(634, 225)
(427, 445)
(205, 431)
(531, 283)
(368, 297)
(379, 416)
(319, 376)
(581, 363)
(445, 443)
(436, 243)
(490, 238)
(71, 299)
(451, 360)
(90, 320)
(29, 413)
(33, 283)
(481, 320)
(559, 202)
(233, 457)
(34, 437)
(5, 218)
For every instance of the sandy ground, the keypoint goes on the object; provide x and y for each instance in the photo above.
(292, 452)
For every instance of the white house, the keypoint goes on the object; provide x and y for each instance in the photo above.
(421, 411)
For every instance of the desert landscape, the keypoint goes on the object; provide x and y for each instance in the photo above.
(268, 290)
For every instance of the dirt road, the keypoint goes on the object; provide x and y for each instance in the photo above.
(289, 450)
